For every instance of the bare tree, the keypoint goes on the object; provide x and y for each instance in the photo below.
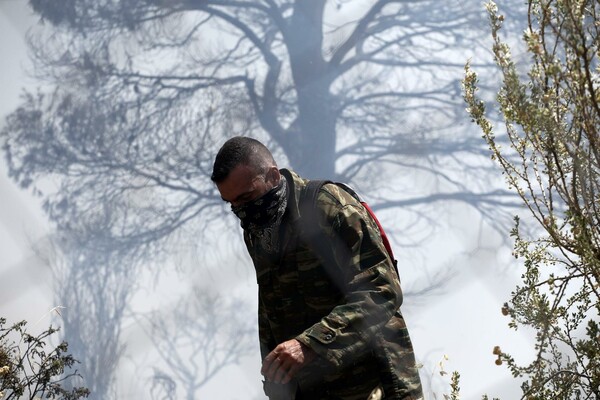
(196, 339)
(143, 92)
(95, 288)
(146, 90)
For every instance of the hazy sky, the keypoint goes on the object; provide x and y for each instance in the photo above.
(24, 281)
(463, 323)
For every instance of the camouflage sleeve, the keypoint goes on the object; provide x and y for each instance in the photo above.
(370, 282)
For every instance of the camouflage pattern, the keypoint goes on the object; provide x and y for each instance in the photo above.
(346, 309)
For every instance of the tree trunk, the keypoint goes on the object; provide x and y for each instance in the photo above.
(311, 141)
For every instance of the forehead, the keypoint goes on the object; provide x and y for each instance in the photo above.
(239, 181)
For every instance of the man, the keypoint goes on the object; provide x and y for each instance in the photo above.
(329, 295)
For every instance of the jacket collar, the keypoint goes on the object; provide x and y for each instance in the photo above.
(296, 185)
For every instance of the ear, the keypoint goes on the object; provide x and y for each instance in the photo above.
(273, 176)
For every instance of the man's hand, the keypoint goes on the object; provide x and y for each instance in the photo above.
(281, 365)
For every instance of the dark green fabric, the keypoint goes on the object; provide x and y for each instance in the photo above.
(344, 303)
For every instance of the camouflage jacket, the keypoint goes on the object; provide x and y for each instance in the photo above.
(344, 305)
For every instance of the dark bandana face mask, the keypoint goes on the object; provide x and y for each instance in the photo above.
(262, 217)
(263, 211)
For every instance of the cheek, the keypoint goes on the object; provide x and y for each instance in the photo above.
(261, 189)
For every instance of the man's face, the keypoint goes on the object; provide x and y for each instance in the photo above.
(243, 184)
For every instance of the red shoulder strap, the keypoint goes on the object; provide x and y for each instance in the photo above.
(384, 237)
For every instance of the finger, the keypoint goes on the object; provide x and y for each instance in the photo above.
(271, 372)
(279, 374)
(287, 369)
(289, 375)
(267, 362)
(273, 368)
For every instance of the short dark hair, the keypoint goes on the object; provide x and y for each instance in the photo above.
(241, 150)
